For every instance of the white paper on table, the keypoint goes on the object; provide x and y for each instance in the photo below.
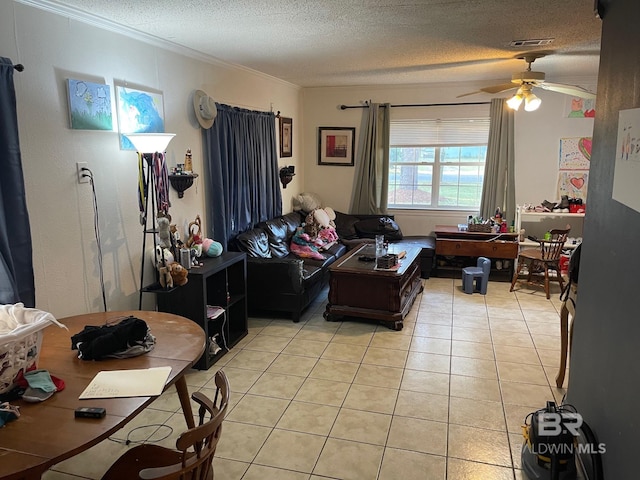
(146, 382)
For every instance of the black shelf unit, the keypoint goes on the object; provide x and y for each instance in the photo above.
(221, 282)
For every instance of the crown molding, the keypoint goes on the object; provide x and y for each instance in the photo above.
(56, 8)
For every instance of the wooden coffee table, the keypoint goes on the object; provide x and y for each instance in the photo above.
(358, 289)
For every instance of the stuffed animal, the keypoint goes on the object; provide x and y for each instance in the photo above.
(195, 236)
(319, 219)
(175, 236)
(178, 274)
(307, 202)
(211, 248)
(166, 281)
(332, 216)
(164, 231)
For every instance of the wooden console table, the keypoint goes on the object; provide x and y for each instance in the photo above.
(358, 289)
(450, 241)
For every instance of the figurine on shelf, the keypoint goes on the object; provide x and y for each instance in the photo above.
(188, 165)
(195, 235)
(194, 257)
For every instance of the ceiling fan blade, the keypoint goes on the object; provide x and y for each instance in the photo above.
(500, 88)
(470, 93)
(493, 89)
(572, 90)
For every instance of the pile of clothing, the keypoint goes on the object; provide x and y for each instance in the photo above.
(128, 338)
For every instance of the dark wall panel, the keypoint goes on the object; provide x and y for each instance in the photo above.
(604, 381)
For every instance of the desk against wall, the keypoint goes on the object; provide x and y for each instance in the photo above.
(453, 242)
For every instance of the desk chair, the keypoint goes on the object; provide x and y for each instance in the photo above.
(194, 448)
(543, 259)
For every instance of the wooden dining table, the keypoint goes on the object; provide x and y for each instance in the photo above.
(47, 433)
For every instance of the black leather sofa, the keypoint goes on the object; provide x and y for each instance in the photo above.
(278, 280)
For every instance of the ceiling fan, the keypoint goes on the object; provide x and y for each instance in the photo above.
(526, 81)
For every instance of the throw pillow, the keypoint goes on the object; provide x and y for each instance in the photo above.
(371, 227)
(345, 226)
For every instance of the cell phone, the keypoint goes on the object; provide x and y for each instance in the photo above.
(90, 412)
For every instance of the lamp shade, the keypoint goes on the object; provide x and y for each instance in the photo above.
(150, 142)
(515, 101)
(531, 102)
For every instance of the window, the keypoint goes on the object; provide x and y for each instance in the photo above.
(437, 164)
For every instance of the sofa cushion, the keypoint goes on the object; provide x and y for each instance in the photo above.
(345, 225)
(254, 242)
(371, 227)
(279, 231)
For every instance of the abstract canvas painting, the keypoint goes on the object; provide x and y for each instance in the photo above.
(138, 112)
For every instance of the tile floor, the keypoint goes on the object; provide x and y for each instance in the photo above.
(442, 399)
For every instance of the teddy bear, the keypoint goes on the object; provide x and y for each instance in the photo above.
(178, 274)
(306, 202)
(164, 230)
(319, 219)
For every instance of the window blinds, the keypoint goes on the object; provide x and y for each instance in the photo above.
(434, 132)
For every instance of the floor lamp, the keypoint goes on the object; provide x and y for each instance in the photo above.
(151, 147)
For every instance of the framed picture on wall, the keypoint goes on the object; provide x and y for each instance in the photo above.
(336, 146)
(286, 137)
(89, 105)
(139, 111)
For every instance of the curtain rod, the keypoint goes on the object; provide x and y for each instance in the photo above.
(345, 107)
(19, 67)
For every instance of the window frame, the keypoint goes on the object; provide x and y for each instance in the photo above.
(437, 165)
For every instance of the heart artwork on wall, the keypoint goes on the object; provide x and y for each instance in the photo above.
(573, 167)
(578, 183)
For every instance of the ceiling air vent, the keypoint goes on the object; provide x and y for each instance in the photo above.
(531, 43)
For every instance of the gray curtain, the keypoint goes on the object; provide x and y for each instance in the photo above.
(499, 188)
(371, 183)
(16, 264)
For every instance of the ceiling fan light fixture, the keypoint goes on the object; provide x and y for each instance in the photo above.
(531, 102)
(514, 102)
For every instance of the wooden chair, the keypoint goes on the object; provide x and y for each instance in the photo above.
(543, 259)
(194, 448)
(566, 330)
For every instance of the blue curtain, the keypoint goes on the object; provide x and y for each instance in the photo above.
(16, 264)
(241, 168)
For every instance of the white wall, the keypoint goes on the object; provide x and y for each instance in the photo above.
(537, 141)
(54, 48)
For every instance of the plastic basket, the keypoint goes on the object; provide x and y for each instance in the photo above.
(20, 340)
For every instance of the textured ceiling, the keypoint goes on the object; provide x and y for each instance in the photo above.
(364, 42)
